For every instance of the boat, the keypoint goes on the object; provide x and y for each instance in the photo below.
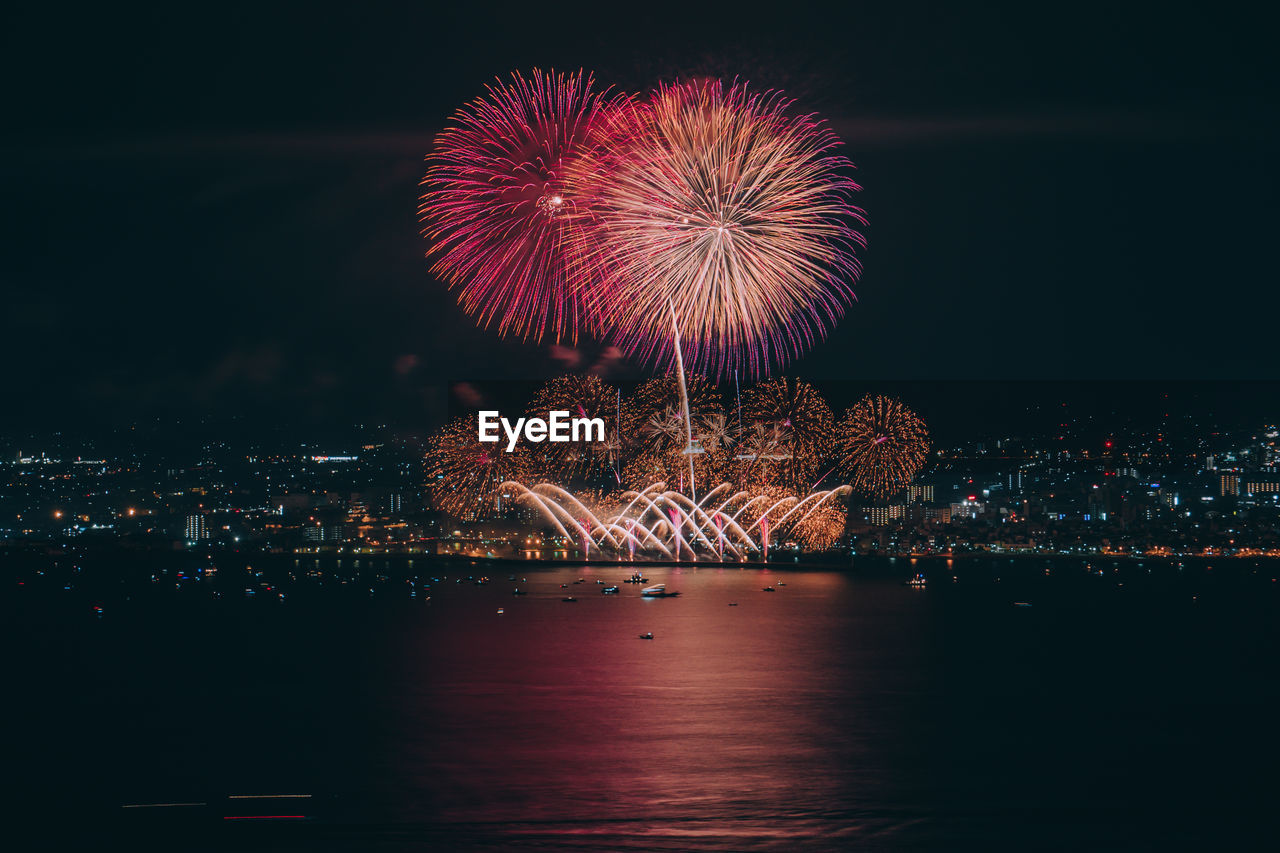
(609, 590)
(733, 604)
(659, 591)
(636, 578)
(768, 589)
(570, 599)
(1022, 604)
(647, 636)
(519, 592)
(918, 580)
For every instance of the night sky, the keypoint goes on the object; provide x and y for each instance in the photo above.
(211, 209)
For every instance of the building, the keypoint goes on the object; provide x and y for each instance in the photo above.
(941, 514)
(1230, 485)
(196, 528)
(882, 515)
(920, 493)
(326, 533)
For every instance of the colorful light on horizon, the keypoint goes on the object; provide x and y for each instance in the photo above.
(494, 200)
(718, 214)
(706, 214)
(882, 444)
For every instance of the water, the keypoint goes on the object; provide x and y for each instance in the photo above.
(1132, 709)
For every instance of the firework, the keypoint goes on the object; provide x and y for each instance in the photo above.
(760, 456)
(582, 397)
(720, 216)
(495, 203)
(469, 473)
(717, 434)
(655, 435)
(797, 408)
(822, 528)
(882, 445)
(667, 523)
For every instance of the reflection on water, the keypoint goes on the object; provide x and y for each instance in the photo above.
(843, 709)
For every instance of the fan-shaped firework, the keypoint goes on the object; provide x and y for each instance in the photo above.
(582, 396)
(494, 201)
(721, 215)
(800, 410)
(468, 473)
(822, 528)
(882, 445)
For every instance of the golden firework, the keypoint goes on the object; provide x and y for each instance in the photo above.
(468, 473)
(882, 445)
(797, 409)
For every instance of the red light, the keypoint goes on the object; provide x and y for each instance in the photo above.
(973, 497)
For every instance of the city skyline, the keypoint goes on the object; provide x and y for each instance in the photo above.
(1065, 478)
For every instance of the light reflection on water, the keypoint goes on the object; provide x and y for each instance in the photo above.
(843, 709)
(749, 722)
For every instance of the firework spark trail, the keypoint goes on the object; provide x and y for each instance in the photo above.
(494, 202)
(882, 445)
(711, 203)
(652, 520)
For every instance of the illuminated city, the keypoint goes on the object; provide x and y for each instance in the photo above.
(671, 428)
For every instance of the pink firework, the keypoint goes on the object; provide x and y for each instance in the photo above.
(722, 217)
(495, 205)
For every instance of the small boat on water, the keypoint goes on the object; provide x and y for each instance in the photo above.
(609, 590)
(733, 604)
(518, 592)
(768, 589)
(659, 591)
(570, 599)
(918, 580)
(1022, 604)
(636, 578)
(647, 636)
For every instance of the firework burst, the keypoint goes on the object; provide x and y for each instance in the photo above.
(582, 397)
(469, 473)
(495, 202)
(655, 435)
(721, 216)
(822, 528)
(882, 445)
(798, 409)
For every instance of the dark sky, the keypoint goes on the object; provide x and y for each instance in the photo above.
(212, 208)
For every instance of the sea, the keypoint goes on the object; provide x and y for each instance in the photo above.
(382, 703)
